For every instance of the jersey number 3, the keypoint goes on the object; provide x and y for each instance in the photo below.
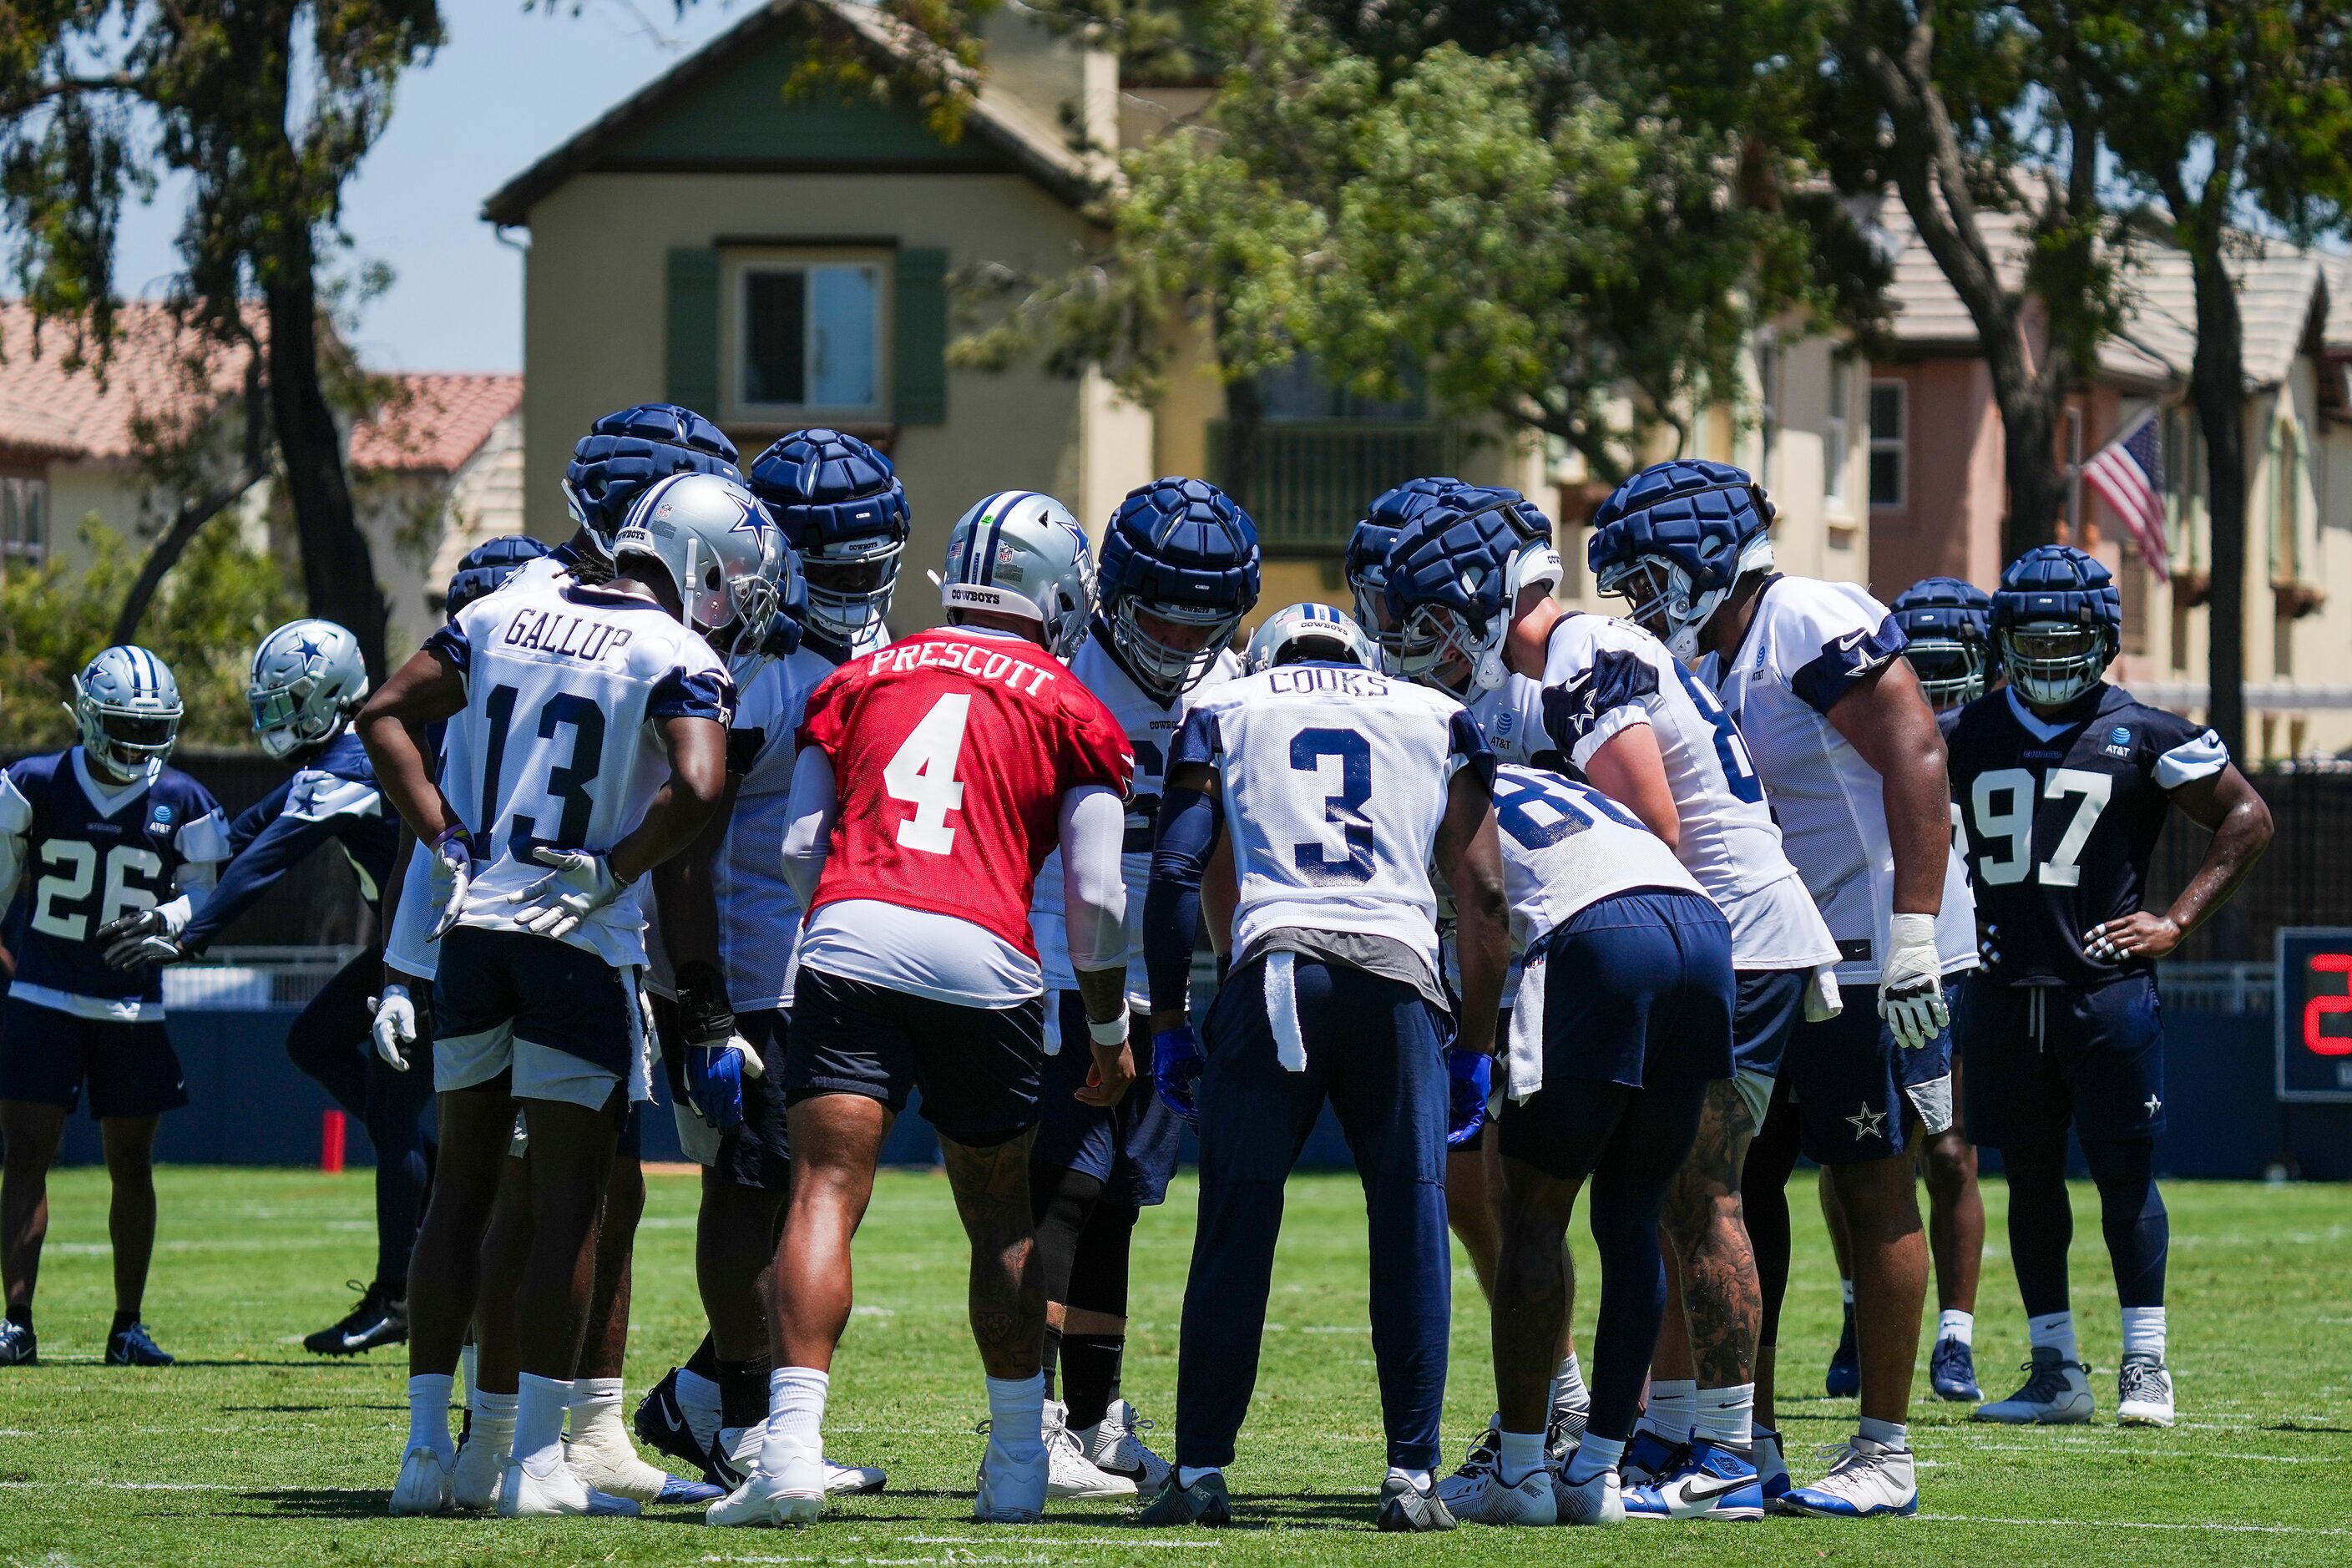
(1342, 809)
(2002, 802)
(922, 774)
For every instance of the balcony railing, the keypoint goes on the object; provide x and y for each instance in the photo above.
(1313, 480)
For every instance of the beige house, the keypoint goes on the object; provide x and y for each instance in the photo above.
(778, 263)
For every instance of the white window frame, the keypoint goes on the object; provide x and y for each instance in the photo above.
(1899, 444)
(739, 267)
(1837, 437)
(23, 498)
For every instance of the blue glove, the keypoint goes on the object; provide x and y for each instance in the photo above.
(1176, 1064)
(715, 1072)
(1470, 1078)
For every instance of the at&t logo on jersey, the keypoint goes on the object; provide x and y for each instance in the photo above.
(2119, 742)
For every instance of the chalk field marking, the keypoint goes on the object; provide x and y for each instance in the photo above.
(2137, 1524)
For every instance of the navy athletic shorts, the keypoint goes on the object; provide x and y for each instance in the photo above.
(2040, 1057)
(1130, 1147)
(759, 1153)
(978, 1067)
(46, 1056)
(1857, 1091)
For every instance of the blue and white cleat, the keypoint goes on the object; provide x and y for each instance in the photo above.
(1772, 1468)
(671, 1420)
(17, 1345)
(1714, 1482)
(1952, 1371)
(1647, 1457)
(1867, 1481)
(1844, 1379)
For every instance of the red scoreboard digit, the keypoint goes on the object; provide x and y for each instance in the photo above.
(2315, 1013)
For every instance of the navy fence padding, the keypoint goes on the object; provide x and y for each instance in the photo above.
(249, 1107)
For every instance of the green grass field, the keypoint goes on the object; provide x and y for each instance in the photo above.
(249, 1451)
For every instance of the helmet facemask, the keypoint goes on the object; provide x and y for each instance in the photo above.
(2053, 662)
(850, 585)
(1163, 665)
(1660, 601)
(1952, 671)
(282, 722)
(124, 742)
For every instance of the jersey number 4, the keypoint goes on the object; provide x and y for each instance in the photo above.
(62, 904)
(2003, 804)
(922, 774)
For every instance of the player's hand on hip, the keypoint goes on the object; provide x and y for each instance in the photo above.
(561, 902)
(1113, 1073)
(1177, 1062)
(1988, 943)
(452, 871)
(1470, 1080)
(139, 939)
(395, 1027)
(1911, 984)
(2136, 935)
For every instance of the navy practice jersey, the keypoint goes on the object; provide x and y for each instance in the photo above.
(93, 852)
(333, 796)
(2061, 819)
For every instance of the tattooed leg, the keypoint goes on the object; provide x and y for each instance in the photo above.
(1709, 1233)
(1008, 1289)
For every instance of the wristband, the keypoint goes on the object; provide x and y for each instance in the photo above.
(1113, 1033)
(455, 830)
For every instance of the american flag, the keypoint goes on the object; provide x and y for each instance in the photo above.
(2128, 473)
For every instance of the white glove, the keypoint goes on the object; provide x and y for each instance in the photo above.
(559, 902)
(453, 878)
(395, 1029)
(1824, 1000)
(1910, 982)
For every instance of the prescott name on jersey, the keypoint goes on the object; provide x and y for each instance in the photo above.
(2062, 817)
(83, 852)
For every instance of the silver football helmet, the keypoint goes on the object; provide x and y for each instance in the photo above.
(307, 681)
(128, 707)
(1022, 554)
(722, 553)
(1286, 628)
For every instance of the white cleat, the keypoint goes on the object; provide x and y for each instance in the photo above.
(2057, 1393)
(561, 1495)
(736, 1458)
(1008, 1491)
(474, 1485)
(1470, 1479)
(793, 1499)
(423, 1484)
(1867, 1481)
(1114, 1448)
(852, 1481)
(1595, 1500)
(1490, 1501)
(1069, 1474)
(2143, 1392)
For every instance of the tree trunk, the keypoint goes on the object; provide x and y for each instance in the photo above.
(176, 541)
(338, 570)
(2030, 417)
(2217, 383)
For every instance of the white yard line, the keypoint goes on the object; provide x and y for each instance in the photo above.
(2137, 1524)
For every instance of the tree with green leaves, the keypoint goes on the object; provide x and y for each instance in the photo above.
(2229, 113)
(268, 106)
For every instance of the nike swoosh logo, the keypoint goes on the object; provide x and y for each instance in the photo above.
(1696, 1493)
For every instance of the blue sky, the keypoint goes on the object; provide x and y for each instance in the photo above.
(507, 87)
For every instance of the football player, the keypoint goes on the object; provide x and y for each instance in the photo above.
(1337, 785)
(1848, 755)
(307, 681)
(729, 928)
(2065, 783)
(1949, 624)
(1616, 709)
(933, 778)
(551, 688)
(88, 836)
(1178, 570)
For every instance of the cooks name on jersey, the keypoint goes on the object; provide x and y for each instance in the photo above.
(1301, 679)
(979, 662)
(572, 636)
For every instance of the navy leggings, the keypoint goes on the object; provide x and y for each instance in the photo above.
(328, 1041)
(2042, 1220)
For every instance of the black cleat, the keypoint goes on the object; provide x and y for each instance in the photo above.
(662, 1426)
(134, 1346)
(17, 1345)
(379, 1320)
(1203, 1503)
(1406, 1510)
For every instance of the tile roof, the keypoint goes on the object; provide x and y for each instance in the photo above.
(2278, 289)
(434, 422)
(159, 372)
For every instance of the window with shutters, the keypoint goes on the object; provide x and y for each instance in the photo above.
(806, 336)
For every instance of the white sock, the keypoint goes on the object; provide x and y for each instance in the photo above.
(2143, 1332)
(493, 1419)
(428, 1411)
(1956, 1324)
(465, 1360)
(1593, 1455)
(796, 1417)
(1190, 1476)
(539, 1405)
(1726, 1417)
(594, 1401)
(1417, 1480)
(2054, 1331)
(1891, 1435)
(1016, 1417)
(1674, 1407)
(1845, 1288)
(1522, 1453)
(1568, 1390)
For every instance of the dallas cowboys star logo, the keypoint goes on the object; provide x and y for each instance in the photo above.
(2153, 1104)
(309, 649)
(1868, 1123)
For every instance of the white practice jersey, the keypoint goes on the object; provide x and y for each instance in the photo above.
(1511, 719)
(1602, 676)
(1335, 782)
(1567, 845)
(1151, 728)
(1809, 644)
(557, 744)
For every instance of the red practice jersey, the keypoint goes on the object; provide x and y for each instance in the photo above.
(951, 752)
